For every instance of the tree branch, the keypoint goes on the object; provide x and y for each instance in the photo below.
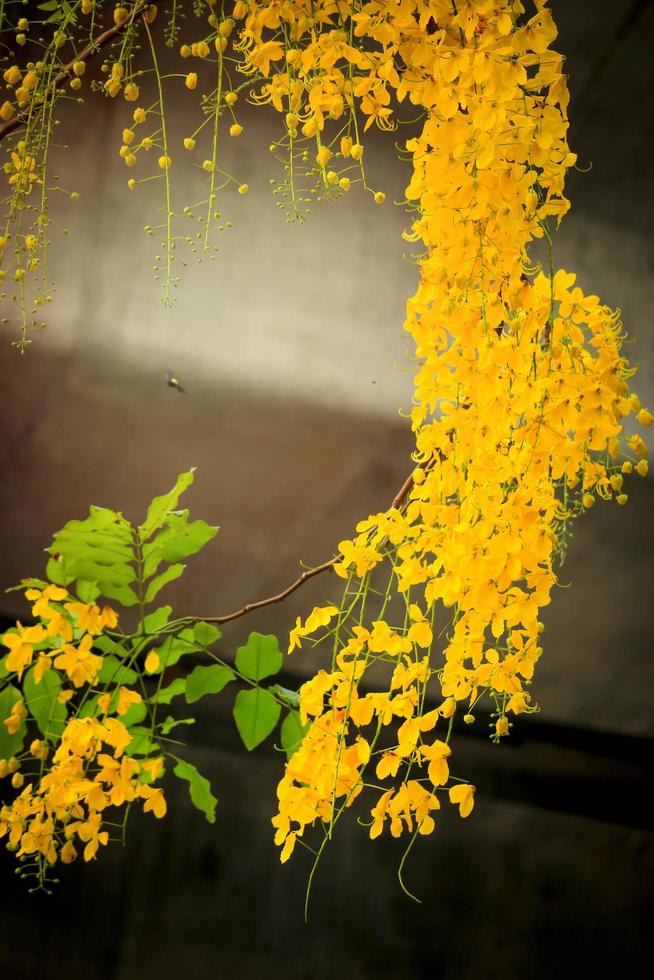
(90, 51)
(398, 502)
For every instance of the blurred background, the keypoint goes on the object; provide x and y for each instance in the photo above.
(290, 347)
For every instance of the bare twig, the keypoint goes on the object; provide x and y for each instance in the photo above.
(398, 501)
(251, 606)
(89, 52)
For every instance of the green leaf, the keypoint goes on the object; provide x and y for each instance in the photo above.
(56, 572)
(42, 701)
(3, 670)
(134, 714)
(157, 584)
(162, 506)
(169, 723)
(206, 634)
(156, 620)
(179, 539)
(256, 713)
(107, 645)
(123, 594)
(142, 742)
(90, 708)
(291, 698)
(207, 680)
(79, 539)
(292, 733)
(166, 694)
(87, 591)
(10, 745)
(260, 657)
(113, 671)
(27, 583)
(175, 647)
(89, 568)
(98, 551)
(199, 789)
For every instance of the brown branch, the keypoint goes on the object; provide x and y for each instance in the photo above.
(89, 52)
(404, 490)
(398, 501)
(251, 606)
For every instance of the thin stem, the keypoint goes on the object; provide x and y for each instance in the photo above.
(90, 51)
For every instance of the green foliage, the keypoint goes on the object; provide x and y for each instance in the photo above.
(165, 694)
(292, 733)
(97, 551)
(114, 672)
(205, 634)
(256, 712)
(260, 657)
(106, 555)
(207, 680)
(161, 507)
(157, 583)
(169, 723)
(156, 620)
(10, 745)
(142, 743)
(199, 789)
(42, 700)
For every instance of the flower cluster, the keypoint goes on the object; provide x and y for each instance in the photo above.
(520, 396)
(82, 766)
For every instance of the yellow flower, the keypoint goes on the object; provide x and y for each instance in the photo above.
(323, 156)
(189, 143)
(21, 647)
(191, 80)
(436, 754)
(235, 129)
(127, 698)
(243, 189)
(79, 663)
(164, 162)
(464, 796)
(12, 75)
(155, 801)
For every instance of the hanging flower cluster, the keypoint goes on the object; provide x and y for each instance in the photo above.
(520, 397)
